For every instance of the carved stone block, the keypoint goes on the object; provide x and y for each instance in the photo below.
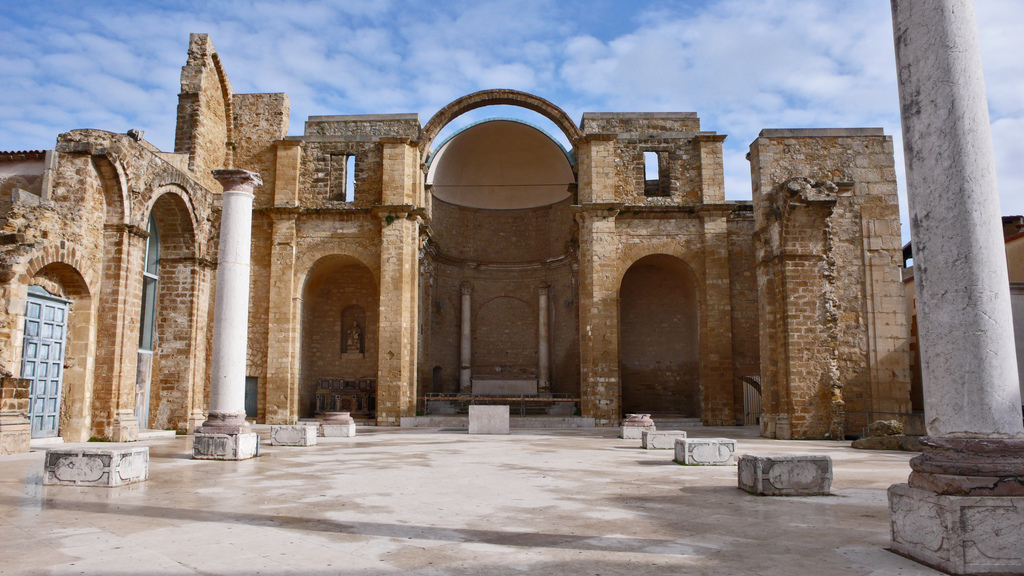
(293, 435)
(958, 534)
(225, 446)
(338, 430)
(15, 434)
(705, 451)
(785, 475)
(660, 440)
(488, 420)
(96, 466)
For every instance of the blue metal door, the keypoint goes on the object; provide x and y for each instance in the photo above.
(42, 359)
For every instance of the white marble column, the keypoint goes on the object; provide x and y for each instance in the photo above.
(465, 351)
(231, 307)
(973, 459)
(968, 359)
(543, 339)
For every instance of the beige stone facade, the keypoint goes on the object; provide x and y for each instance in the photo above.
(384, 257)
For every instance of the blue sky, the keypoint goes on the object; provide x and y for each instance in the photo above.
(742, 65)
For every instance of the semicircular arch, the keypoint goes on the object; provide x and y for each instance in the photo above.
(497, 97)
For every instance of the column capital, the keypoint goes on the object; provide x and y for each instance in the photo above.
(543, 289)
(466, 288)
(233, 179)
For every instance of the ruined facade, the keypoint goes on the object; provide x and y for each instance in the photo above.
(393, 268)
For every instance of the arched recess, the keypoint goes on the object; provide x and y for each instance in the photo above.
(338, 291)
(505, 339)
(165, 373)
(64, 280)
(659, 351)
(497, 97)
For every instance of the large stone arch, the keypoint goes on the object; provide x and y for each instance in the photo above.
(497, 97)
(171, 377)
(659, 330)
(310, 255)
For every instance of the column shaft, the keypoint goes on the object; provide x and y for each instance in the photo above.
(543, 339)
(968, 359)
(465, 351)
(231, 305)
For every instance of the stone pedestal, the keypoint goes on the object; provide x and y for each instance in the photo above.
(225, 446)
(488, 420)
(660, 440)
(785, 475)
(705, 451)
(958, 534)
(107, 467)
(338, 430)
(293, 435)
(634, 426)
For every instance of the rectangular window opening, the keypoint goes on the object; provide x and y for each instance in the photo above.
(655, 175)
(350, 178)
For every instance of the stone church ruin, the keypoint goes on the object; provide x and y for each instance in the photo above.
(390, 267)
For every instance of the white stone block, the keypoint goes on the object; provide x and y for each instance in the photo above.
(660, 440)
(635, 432)
(705, 451)
(338, 430)
(225, 446)
(96, 466)
(958, 534)
(488, 420)
(293, 435)
(785, 475)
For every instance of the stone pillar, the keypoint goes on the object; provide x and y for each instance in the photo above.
(230, 325)
(465, 344)
(716, 372)
(966, 490)
(543, 339)
(15, 428)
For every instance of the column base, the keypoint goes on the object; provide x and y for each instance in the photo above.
(15, 434)
(979, 535)
(225, 446)
(224, 423)
(125, 427)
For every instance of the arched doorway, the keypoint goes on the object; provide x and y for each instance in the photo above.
(338, 345)
(60, 347)
(659, 352)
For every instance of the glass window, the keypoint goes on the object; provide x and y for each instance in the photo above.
(147, 319)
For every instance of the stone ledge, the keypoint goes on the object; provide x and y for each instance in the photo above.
(958, 534)
(108, 467)
(705, 451)
(785, 475)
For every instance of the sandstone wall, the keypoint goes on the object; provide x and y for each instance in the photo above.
(833, 327)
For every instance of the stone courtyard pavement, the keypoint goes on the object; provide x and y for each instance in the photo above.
(430, 501)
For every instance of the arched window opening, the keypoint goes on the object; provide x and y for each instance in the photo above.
(150, 276)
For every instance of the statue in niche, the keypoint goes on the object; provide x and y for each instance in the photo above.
(354, 339)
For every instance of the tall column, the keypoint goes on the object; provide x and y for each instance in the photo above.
(230, 324)
(465, 352)
(543, 339)
(967, 487)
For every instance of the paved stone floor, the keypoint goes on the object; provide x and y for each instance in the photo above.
(429, 501)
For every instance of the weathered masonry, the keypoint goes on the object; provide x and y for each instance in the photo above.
(389, 265)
